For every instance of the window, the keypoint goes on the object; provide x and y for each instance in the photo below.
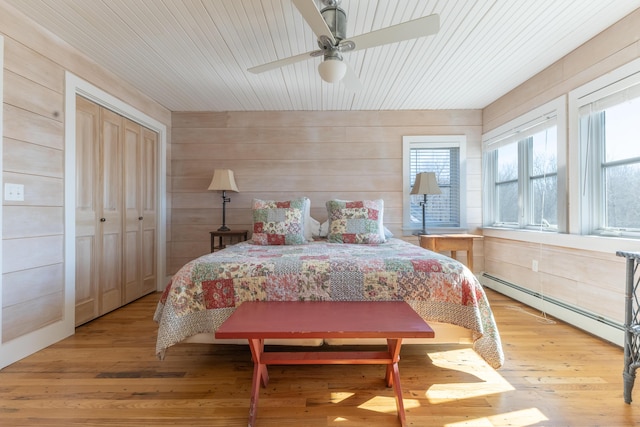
(4, 361)
(506, 184)
(445, 156)
(610, 162)
(521, 172)
(543, 178)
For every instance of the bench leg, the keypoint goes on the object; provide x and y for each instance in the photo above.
(392, 378)
(393, 346)
(397, 390)
(260, 377)
(257, 349)
(255, 393)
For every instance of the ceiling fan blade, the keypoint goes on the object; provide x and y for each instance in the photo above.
(281, 62)
(350, 80)
(311, 14)
(415, 28)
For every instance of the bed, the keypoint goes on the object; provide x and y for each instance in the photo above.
(205, 291)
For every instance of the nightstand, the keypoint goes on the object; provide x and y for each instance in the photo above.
(450, 242)
(227, 238)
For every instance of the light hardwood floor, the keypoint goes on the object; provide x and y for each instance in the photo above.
(107, 374)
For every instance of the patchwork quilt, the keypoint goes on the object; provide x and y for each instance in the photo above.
(205, 291)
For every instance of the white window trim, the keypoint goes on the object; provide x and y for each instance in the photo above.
(4, 361)
(510, 131)
(434, 141)
(615, 81)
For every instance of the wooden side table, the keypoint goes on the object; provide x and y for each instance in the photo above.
(450, 242)
(226, 238)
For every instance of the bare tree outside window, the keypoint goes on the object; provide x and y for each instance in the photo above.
(525, 182)
(507, 184)
(621, 166)
(544, 179)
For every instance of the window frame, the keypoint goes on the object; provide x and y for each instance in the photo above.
(433, 141)
(588, 217)
(519, 131)
(6, 356)
(491, 192)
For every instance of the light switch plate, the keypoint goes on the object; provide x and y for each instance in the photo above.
(14, 192)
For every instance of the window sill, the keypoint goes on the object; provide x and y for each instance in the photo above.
(604, 244)
(407, 232)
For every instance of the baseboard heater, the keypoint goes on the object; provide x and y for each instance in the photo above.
(582, 319)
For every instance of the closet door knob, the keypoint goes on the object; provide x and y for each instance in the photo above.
(140, 218)
(103, 219)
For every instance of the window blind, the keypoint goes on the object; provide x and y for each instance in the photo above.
(619, 97)
(521, 132)
(442, 210)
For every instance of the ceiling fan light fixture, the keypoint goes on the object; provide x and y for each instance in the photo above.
(332, 70)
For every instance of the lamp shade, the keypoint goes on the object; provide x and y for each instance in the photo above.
(426, 183)
(332, 70)
(223, 180)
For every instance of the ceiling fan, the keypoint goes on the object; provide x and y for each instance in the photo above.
(329, 25)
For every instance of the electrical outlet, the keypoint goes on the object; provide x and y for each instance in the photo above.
(14, 192)
(534, 265)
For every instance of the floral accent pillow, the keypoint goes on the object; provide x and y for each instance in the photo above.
(355, 221)
(279, 223)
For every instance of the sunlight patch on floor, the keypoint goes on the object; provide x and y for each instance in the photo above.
(387, 405)
(337, 397)
(565, 380)
(523, 418)
(486, 380)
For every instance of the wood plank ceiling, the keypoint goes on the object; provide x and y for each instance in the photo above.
(192, 55)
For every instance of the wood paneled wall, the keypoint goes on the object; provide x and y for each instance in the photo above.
(281, 155)
(32, 229)
(589, 279)
(614, 47)
(33, 155)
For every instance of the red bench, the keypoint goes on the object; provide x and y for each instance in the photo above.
(260, 320)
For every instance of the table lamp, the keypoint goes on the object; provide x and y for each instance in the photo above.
(223, 181)
(425, 184)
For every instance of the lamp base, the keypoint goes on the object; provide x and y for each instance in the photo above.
(420, 232)
(224, 228)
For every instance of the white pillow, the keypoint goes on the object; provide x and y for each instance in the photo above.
(324, 229)
(311, 227)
